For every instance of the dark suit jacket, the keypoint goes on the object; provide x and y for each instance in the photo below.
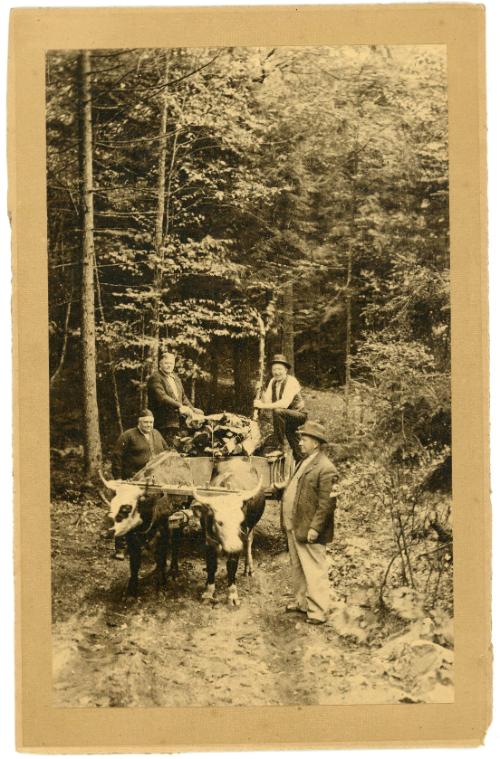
(133, 451)
(313, 507)
(161, 401)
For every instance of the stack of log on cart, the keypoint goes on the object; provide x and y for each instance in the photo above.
(219, 435)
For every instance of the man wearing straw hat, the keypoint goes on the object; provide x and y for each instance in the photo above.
(284, 399)
(307, 514)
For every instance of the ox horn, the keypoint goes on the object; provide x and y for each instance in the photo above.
(103, 497)
(202, 499)
(280, 484)
(247, 495)
(106, 482)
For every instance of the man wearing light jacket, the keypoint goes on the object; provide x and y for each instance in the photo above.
(283, 397)
(307, 515)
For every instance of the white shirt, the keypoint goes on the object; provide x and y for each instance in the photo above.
(291, 390)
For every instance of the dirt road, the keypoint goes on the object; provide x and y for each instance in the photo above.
(170, 649)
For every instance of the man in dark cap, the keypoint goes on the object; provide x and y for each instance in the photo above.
(283, 397)
(307, 515)
(167, 398)
(134, 448)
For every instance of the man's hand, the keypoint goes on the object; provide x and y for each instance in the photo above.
(258, 403)
(280, 486)
(186, 410)
(312, 536)
(198, 412)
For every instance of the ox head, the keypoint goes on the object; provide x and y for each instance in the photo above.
(124, 506)
(224, 515)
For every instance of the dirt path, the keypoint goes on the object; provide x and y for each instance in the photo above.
(172, 650)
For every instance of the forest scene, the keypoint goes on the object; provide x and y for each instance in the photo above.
(230, 204)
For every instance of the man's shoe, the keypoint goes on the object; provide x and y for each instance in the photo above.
(314, 621)
(119, 555)
(294, 607)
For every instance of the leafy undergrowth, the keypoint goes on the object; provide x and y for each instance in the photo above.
(170, 649)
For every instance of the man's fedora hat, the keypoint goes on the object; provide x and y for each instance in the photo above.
(280, 358)
(314, 429)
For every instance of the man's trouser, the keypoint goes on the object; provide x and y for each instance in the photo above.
(286, 421)
(309, 576)
(120, 544)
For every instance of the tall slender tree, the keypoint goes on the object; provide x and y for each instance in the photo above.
(287, 342)
(160, 211)
(92, 438)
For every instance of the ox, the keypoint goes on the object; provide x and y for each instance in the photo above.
(144, 520)
(228, 521)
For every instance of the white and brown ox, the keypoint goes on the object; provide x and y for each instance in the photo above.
(228, 521)
(142, 515)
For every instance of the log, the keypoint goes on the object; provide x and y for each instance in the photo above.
(219, 435)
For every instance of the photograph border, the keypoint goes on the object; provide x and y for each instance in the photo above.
(42, 727)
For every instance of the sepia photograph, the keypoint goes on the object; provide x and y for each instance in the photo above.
(249, 343)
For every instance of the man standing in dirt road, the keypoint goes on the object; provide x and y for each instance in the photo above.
(307, 512)
(167, 398)
(134, 448)
(283, 398)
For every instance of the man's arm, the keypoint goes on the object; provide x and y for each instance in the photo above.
(323, 511)
(159, 442)
(184, 397)
(186, 403)
(291, 389)
(267, 395)
(160, 395)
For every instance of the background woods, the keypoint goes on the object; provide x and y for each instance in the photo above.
(219, 200)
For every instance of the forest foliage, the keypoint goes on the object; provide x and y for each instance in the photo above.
(305, 185)
(304, 189)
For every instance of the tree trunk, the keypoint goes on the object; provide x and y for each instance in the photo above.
(242, 372)
(142, 382)
(246, 386)
(214, 377)
(59, 366)
(159, 219)
(287, 346)
(111, 360)
(237, 373)
(348, 287)
(262, 361)
(348, 333)
(92, 438)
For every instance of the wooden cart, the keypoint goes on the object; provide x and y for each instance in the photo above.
(175, 475)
